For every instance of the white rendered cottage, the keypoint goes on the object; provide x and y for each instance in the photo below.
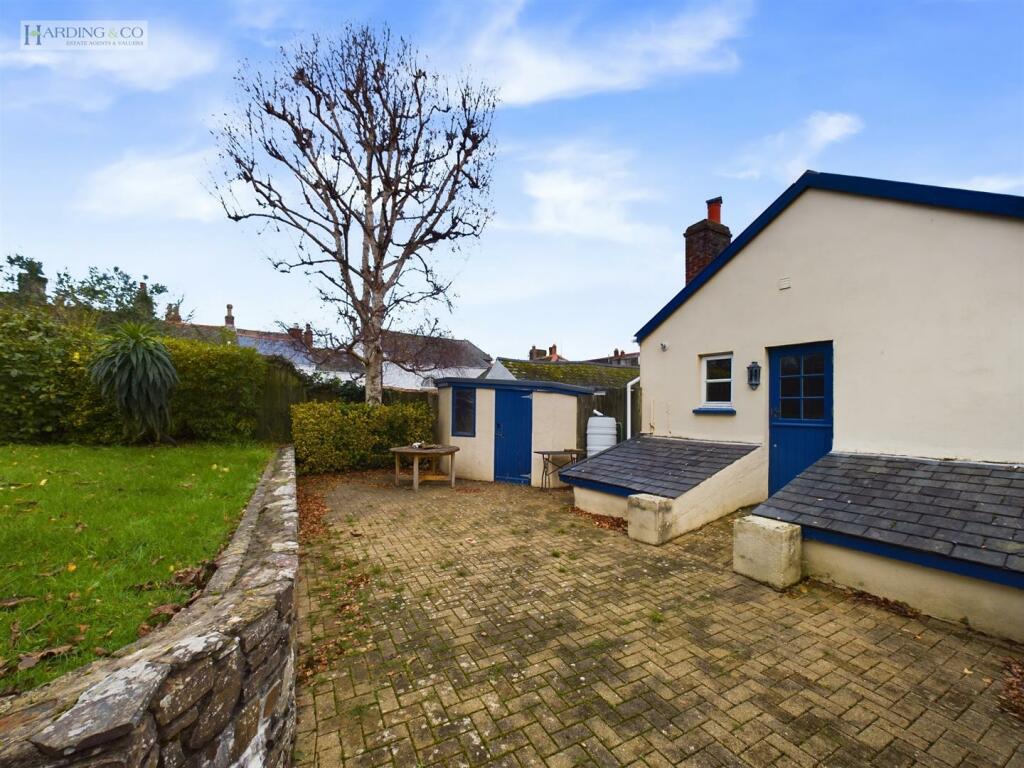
(855, 361)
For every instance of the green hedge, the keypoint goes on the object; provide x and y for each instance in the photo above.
(46, 395)
(336, 437)
(219, 393)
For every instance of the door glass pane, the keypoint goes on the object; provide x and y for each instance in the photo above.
(814, 363)
(791, 409)
(719, 369)
(718, 392)
(814, 408)
(791, 386)
(790, 365)
(814, 386)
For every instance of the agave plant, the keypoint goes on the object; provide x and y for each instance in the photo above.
(134, 370)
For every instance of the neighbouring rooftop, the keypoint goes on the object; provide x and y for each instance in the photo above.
(565, 372)
(664, 466)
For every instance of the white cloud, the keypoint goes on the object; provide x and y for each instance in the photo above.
(168, 186)
(587, 191)
(172, 56)
(787, 154)
(992, 183)
(533, 64)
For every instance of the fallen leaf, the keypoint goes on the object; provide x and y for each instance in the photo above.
(968, 671)
(43, 481)
(29, 660)
(72, 567)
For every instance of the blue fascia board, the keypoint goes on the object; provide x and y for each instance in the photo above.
(516, 384)
(916, 557)
(920, 194)
(596, 485)
(709, 411)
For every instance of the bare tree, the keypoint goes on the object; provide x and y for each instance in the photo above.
(373, 163)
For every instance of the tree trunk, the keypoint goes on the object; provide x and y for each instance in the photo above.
(374, 363)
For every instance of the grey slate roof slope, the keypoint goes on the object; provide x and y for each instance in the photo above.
(664, 466)
(967, 511)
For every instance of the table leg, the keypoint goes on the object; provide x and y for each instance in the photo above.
(451, 470)
(415, 473)
(397, 469)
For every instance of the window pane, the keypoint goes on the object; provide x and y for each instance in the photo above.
(719, 369)
(463, 411)
(791, 386)
(814, 386)
(718, 392)
(814, 408)
(814, 363)
(791, 409)
(790, 365)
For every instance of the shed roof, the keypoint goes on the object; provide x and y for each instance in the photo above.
(961, 510)
(520, 384)
(583, 374)
(664, 466)
(921, 194)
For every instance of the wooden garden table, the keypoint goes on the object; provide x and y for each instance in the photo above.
(432, 452)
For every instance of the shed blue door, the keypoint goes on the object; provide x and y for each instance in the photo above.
(800, 420)
(513, 430)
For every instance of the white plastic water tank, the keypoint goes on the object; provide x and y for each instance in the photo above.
(601, 433)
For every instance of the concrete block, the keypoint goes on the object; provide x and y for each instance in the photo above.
(649, 518)
(767, 551)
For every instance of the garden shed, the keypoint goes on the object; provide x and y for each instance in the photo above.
(499, 425)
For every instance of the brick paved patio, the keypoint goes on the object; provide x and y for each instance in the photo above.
(489, 625)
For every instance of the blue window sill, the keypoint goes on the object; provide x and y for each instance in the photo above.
(715, 411)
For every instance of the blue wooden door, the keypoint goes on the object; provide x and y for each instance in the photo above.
(513, 431)
(800, 419)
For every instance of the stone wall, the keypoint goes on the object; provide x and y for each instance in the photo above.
(214, 687)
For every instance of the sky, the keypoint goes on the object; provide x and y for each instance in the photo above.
(617, 121)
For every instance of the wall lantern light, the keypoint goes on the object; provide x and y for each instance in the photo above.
(754, 375)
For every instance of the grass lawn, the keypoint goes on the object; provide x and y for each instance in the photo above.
(92, 540)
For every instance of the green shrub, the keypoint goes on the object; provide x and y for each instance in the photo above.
(337, 437)
(219, 392)
(45, 391)
(47, 396)
(133, 370)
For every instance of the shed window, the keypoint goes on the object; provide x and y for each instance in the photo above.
(464, 411)
(717, 375)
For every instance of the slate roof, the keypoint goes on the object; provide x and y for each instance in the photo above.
(582, 374)
(432, 352)
(664, 466)
(967, 511)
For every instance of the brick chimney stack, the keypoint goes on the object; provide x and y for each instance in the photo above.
(705, 240)
(229, 318)
(536, 354)
(295, 332)
(307, 336)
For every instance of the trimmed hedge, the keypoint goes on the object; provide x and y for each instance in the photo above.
(337, 437)
(219, 393)
(47, 396)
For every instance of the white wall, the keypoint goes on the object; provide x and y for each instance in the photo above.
(475, 459)
(554, 428)
(925, 309)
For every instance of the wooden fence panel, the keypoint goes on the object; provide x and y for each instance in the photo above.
(283, 388)
(611, 403)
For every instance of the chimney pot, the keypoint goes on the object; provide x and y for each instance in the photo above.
(229, 318)
(715, 210)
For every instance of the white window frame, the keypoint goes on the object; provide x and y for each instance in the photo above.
(704, 381)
